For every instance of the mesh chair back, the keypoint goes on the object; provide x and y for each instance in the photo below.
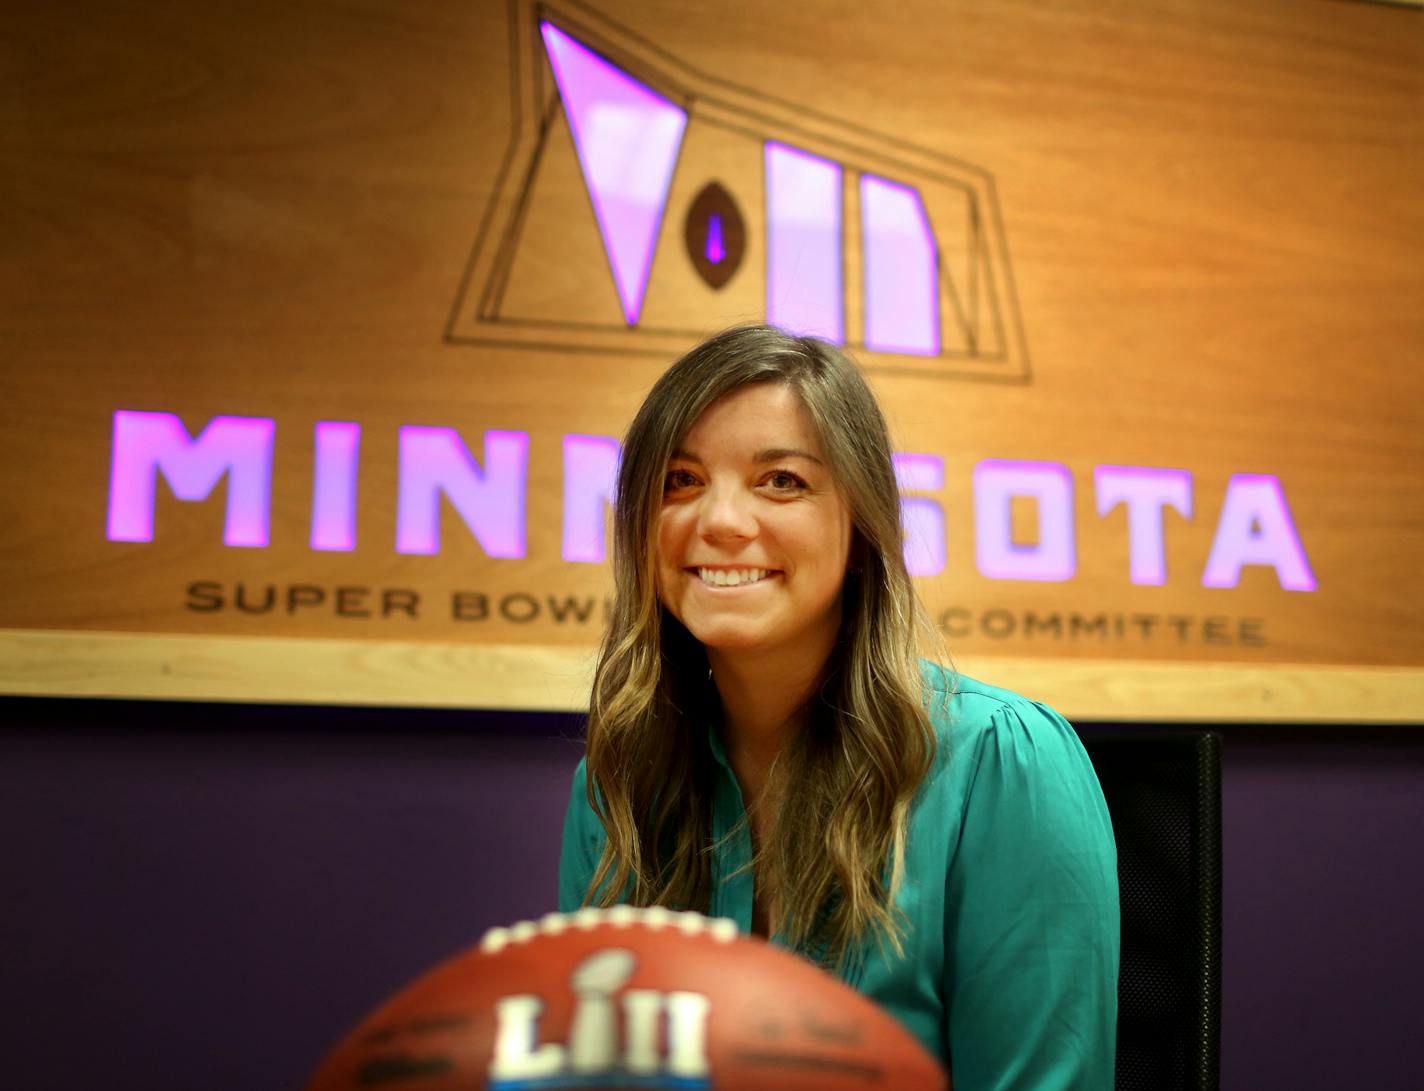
(1163, 790)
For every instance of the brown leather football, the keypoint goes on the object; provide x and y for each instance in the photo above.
(628, 998)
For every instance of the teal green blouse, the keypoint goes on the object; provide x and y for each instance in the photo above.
(1010, 896)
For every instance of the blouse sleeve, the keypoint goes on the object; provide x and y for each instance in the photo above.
(1031, 912)
(582, 845)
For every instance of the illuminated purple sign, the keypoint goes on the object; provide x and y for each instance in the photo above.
(488, 492)
(333, 520)
(922, 517)
(149, 444)
(435, 463)
(590, 473)
(1255, 527)
(1050, 486)
(803, 244)
(716, 251)
(1145, 492)
(627, 137)
(901, 269)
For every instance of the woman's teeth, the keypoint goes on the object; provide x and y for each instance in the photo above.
(732, 577)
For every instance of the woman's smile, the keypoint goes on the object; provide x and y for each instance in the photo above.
(727, 578)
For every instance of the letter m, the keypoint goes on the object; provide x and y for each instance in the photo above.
(147, 444)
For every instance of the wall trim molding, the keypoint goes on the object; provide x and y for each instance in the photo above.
(145, 666)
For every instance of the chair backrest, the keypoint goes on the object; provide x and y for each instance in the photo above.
(1163, 789)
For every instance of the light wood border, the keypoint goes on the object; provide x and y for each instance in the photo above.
(53, 663)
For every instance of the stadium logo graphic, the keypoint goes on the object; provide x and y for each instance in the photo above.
(663, 1041)
(710, 204)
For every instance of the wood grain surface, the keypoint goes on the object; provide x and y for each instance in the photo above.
(1214, 237)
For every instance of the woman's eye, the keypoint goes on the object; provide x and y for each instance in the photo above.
(785, 479)
(678, 479)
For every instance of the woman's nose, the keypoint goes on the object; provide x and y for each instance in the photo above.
(726, 513)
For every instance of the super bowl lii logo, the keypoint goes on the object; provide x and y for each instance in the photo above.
(642, 203)
(644, 1037)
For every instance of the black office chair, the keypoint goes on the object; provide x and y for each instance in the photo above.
(1163, 789)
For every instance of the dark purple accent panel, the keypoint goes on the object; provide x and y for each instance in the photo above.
(207, 896)
(1323, 917)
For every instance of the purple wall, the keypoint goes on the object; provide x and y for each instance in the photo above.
(1323, 918)
(207, 896)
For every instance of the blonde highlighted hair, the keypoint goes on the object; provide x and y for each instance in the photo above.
(835, 856)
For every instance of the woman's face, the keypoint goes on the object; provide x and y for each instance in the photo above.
(753, 536)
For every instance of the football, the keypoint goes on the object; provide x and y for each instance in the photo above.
(628, 998)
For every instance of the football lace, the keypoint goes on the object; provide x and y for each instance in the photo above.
(655, 918)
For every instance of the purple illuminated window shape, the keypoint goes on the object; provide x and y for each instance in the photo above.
(999, 557)
(901, 269)
(436, 462)
(715, 250)
(627, 137)
(922, 518)
(1146, 491)
(147, 444)
(804, 291)
(333, 518)
(590, 474)
(1255, 527)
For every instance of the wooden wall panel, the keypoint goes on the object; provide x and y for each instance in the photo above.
(1211, 212)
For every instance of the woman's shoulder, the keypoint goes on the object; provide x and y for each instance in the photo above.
(1001, 748)
(968, 713)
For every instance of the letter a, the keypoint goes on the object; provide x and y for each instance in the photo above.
(1255, 527)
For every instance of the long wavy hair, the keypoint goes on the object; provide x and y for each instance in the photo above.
(834, 859)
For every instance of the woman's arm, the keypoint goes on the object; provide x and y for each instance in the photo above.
(1031, 943)
(582, 846)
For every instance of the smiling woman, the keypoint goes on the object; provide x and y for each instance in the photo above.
(753, 539)
(765, 743)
